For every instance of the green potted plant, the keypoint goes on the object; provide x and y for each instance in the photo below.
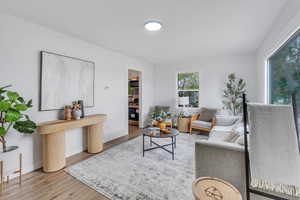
(12, 108)
(233, 94)
(159, 117)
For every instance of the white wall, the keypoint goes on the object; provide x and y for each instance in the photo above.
(20, 44)
(213, 73)
(287, 23)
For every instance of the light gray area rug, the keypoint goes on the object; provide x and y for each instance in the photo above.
(121, 173)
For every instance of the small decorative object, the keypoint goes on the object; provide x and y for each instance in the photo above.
(68, 112)
(233, 94)
(76, 110)
(76, 114)
(166, 131)
(162, 125)
(154, 131)
(160, 117)
(82, 108)
(12, 108)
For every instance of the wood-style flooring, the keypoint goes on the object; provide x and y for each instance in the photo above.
(58, 185)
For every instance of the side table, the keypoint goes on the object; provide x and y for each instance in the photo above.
(208, 188)
(183, 124)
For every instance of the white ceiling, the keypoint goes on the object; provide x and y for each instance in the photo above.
(191, 28)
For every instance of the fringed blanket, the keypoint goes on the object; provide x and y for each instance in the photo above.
(274, 152)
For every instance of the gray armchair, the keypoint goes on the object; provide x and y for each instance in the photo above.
(221, 160)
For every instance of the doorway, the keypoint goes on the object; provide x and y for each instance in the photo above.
(134, 102)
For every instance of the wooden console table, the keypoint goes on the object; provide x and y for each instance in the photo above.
(53, 139)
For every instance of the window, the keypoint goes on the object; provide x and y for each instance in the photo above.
(188, 86)
(284, 72)
(284, 76)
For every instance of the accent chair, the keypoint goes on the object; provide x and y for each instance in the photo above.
(204, 121)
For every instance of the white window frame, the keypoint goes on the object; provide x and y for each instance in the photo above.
(177, 90)
(267, 92)
(267, 77)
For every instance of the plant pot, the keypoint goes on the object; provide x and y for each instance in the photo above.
(162, 125)
(10, 162)
(183, 124)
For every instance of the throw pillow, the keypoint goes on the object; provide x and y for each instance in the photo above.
(226, 136)
(222, 120)
(234, 138)
(240, 140)
(239, 128)
(207, 114)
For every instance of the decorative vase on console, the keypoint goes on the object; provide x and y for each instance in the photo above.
(68, 113)
(76, 112)
(81, 108)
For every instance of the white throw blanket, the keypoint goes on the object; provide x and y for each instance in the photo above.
(274, 151)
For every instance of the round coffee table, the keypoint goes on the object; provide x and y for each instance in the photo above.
(153, 132)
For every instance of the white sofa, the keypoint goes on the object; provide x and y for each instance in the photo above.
(223, 159)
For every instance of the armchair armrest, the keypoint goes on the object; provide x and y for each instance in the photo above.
(220, 145)
(194, 117)
(213, 123)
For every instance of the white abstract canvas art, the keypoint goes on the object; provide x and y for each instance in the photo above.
(64, 80)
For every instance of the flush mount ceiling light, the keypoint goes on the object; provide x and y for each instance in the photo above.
(153, 25)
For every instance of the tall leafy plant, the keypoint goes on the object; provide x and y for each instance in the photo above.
(12, 108)
(233, 94)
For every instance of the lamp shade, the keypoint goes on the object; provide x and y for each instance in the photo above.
(184, 101)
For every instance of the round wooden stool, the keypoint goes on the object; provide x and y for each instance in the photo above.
(209, 188)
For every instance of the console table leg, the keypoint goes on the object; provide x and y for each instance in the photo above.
(94, 138)
(53, 151)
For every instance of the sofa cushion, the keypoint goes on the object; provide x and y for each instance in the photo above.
(201, 124)
(241, 141)
(224, 136)
(207, 114)
(223, 128)
(239, 128)
(223, 120)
